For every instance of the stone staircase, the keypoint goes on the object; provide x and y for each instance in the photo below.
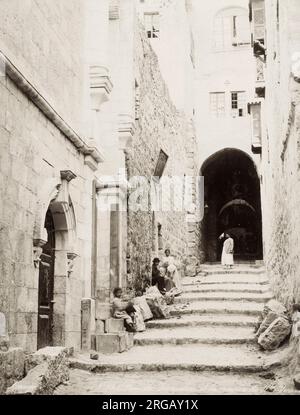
(211, 328)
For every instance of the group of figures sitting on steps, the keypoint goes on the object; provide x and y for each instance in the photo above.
(165, 286)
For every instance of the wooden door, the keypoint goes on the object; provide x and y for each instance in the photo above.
(46, 287)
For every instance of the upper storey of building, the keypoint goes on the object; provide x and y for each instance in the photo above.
(225, 74)
(169, 29)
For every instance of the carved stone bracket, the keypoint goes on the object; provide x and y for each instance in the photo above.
(71, 258)
(126, 131)
(100, 86)
(67, 175)
(37, 251)
(63, 196)
(114, 12)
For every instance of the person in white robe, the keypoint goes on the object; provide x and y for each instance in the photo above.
(227, 252)
(168, 262)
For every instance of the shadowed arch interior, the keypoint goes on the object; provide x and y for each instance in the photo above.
(233, 205)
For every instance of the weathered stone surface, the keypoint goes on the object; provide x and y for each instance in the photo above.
(271, 311)
(266, 322)
(12, 367)
(129, 340)
(296, 324)
(45, 370)
(297, 381)
(87, 322)
(4, 343)
(113, 325)
(111, 343)
(170, 130)
(94, 356)
(275, 334)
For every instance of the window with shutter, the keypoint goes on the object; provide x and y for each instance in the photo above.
(258, 17)
(217, 104)
(152, 25)
(238, 104)
(231, 29)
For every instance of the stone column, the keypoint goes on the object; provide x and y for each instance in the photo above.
(112, 243)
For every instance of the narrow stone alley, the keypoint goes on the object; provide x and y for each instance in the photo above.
(146, 146)
(206, 346)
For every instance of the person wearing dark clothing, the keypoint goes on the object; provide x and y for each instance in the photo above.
(157, 278)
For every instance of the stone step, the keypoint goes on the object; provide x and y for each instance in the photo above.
(218, 307)
(226, 288)
(212, 296)
(218, 320)
(195, 335)
(236, 270)
(222, 358)
(225, 279)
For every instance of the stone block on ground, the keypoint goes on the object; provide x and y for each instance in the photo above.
(94, 356)
(12, 368)
(45, 370)
(114, 325)
(275, 334)
(266, 322)
(111, 343)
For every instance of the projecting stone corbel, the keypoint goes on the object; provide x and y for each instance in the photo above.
(37, 251)
(126, 131)
(114, 10)
(71, 258)
(63, 196)
(100, 86)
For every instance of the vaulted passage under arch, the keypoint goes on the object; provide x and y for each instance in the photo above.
(232, 204)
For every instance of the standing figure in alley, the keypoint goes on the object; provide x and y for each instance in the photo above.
(168, 263)
(227, 252)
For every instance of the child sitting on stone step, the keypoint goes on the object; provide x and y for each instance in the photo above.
(123, 310)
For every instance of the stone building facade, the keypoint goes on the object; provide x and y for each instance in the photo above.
(225, 80)
(80, 90)
(280, 155)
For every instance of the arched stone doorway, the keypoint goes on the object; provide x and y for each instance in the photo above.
(232, 204)
(46, 286)
(54, 255)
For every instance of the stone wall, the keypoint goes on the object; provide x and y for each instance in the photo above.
(45, 38)
(33, 152)
(159, 126)
(281, 191)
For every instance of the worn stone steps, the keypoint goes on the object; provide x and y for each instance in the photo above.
(195, 335)
(221, 358)
(238, 320)
(226, 279)
(218, 307)
(238, 269)
(219, 296)
(226, 288)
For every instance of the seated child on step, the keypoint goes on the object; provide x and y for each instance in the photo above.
(123, 310)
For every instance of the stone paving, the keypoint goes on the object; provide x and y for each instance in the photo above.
(206, 346)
